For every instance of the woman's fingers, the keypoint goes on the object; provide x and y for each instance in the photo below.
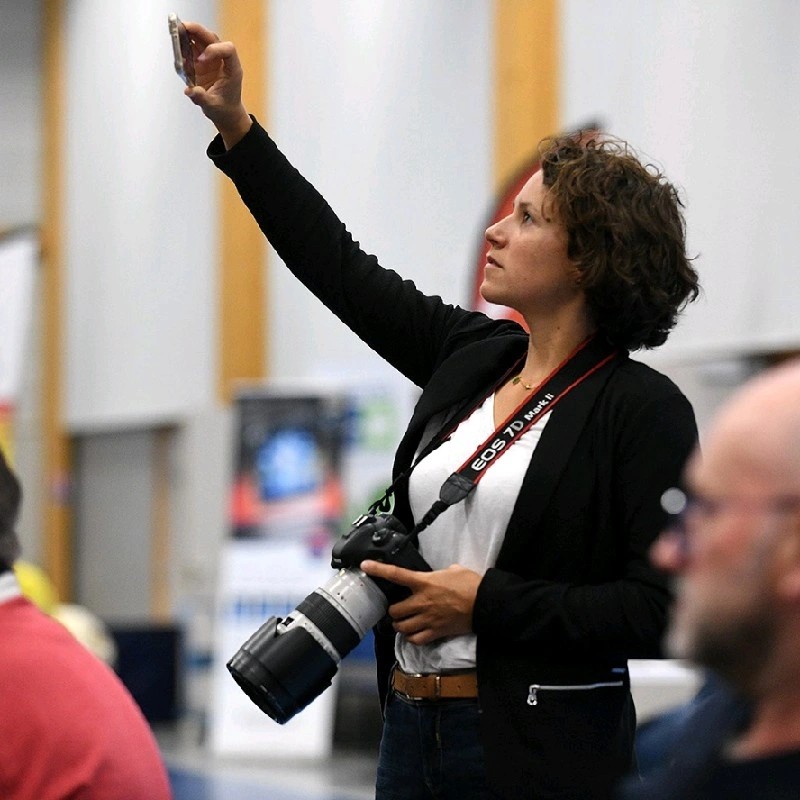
(202, 36)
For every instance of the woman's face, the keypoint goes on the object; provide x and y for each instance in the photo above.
(527, 267)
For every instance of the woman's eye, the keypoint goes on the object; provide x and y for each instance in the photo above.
(526, 217)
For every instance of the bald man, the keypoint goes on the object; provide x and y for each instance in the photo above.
(735, 546)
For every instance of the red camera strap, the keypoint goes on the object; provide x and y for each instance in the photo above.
(592, 354)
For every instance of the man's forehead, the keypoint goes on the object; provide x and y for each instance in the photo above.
(743, 453)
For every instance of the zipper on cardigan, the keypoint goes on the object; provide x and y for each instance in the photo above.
(535, 688)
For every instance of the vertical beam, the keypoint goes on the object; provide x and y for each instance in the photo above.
(160, 536)
(527, 49)
(57, 543)
(242, 329)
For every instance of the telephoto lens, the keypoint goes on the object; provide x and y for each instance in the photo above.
(287, 663)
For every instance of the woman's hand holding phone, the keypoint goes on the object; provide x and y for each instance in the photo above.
(217, 86)
(182, 50)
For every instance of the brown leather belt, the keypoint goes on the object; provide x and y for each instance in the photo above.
(444, 686)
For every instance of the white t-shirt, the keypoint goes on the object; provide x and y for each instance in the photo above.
(471, 532)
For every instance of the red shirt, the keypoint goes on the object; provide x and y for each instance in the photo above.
(68, 727)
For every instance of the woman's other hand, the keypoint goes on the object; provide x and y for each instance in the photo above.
(218, 89)
(440, 604)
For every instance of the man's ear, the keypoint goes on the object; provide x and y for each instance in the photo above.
(789, 582)
(789, 586)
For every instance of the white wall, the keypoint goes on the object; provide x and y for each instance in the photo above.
(20, 113)
(20, 204)
(140, 222)
(709, 90)
(384, 105)
(386, 108)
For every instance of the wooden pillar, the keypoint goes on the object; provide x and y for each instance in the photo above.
(241, 287)
(57, 544)
(527, 55)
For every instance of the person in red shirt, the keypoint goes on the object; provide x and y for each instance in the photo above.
(69, 727)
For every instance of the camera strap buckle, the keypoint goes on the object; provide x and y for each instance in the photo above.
(383, 504)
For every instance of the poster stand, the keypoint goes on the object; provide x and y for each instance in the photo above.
(306, 462)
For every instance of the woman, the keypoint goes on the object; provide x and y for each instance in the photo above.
(503, 674)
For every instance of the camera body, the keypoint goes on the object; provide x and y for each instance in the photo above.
(287, 663)
(379, 537)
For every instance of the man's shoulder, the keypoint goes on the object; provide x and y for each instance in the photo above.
(691, 741)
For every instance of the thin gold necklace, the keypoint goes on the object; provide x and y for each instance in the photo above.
(518, 379)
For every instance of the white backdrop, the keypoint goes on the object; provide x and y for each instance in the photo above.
(386, 108)
(708, 89)
(384, 105)
(140, 222)
(19, 260)
(387, 105)
(20, 113)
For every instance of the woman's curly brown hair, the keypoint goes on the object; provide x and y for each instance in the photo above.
(626, 234)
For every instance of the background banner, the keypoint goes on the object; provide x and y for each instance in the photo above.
(286, 506)
(306, 463)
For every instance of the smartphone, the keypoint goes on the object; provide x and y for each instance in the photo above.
(181, 50)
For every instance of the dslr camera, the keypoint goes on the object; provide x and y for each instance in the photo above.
(287, 663)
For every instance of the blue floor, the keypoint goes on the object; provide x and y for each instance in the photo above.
(198, 776)
(189, 785)
(348, 773)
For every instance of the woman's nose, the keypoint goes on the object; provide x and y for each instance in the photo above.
(494, 234)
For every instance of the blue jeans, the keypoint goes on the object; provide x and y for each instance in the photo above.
(431, 751)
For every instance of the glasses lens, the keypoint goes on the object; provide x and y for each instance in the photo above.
(674, 501)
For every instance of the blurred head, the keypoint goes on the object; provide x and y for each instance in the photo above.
(10, 498)
(738, 605)
(625, 237)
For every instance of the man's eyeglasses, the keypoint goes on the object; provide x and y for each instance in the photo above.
(680, 504)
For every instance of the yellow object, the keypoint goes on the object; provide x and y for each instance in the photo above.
(36, 586)
(7, 432)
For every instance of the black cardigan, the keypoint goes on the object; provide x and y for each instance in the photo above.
(573, 594)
